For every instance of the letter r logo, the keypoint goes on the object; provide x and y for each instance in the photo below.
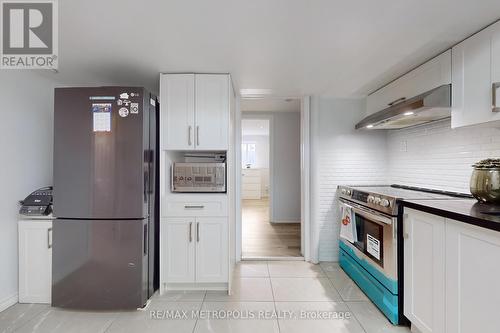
(27, 27)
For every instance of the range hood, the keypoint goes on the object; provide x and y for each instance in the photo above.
(425, 108)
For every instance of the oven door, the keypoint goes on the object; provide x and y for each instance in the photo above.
(376, 240)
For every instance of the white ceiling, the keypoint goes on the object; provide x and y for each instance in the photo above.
(270, 104)
(292, 47)
(255, 127)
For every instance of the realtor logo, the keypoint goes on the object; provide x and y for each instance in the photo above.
(29, 34)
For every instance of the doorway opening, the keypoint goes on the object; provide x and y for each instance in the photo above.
(271, 178)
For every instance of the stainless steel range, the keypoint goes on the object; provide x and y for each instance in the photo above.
(369, 238)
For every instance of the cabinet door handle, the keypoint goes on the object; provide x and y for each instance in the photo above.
(198, 231)
(194, 206)
(494, 97)
(406, 235)
(49, 238)
(190, 129)
(399, 100)
(197, 135)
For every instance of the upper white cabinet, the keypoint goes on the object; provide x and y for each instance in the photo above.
(177, 111)
(432, 74)
(35, 261)
(195, 111)
(212, 111)
(476, 69)
(424, 270)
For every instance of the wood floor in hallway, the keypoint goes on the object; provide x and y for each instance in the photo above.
(264, 239)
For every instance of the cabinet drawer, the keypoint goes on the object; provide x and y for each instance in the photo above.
(251, 180)
(251, 187)
(251, 195)
(196, 207)
(250, 173)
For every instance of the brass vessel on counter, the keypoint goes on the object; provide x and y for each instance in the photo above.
(485, 181)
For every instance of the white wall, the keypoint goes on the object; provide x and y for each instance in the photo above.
(340, 155)
(439, 157)
(285, 181)
(285, 173)
(261, 150)
(26, 133)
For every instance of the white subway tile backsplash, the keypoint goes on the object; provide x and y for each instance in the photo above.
(434, 156)
(439, 157)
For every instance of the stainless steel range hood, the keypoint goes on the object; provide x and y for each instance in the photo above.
(425, 108)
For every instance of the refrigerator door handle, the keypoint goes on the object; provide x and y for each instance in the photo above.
(146, 239)
(190, 128)
(197, 135)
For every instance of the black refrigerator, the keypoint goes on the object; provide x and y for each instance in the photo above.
(105, 235)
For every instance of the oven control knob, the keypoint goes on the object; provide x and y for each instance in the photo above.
(385, 203)
(377, 201)
(349, 192)
(371, 199)
(343, 191)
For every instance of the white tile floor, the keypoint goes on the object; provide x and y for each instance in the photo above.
(261, 289)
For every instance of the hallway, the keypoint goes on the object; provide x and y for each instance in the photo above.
(264, 239)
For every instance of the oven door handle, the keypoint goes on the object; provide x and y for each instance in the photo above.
(367, 212)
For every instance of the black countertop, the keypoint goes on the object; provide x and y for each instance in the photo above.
(465, 210)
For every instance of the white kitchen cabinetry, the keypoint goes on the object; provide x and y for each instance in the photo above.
(212, 111)
(211, 249)
(195, 111)
(451, 272)
(180, 255)
(432, 74)
(424, 271)
(251, 184)
(472, 272)
(196, 250)
(35, 261)
(476, 68)
(177, 111)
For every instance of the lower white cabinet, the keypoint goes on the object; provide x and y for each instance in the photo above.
(451, 272)
(180, 254)
(472, 278)
(196, 249)
(35, 261)
(251, 184)
(211, 249)
(424, 270)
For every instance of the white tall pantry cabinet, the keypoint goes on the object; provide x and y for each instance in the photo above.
(194, 230)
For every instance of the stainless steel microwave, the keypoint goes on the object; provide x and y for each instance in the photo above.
(199, 177)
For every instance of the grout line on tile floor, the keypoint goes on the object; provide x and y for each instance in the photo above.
(199, 309)
(272, 292)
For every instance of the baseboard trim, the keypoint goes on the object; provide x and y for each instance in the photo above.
(272, 258)
(8, 301)
(287, 222)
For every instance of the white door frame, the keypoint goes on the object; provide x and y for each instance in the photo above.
(305, 174)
